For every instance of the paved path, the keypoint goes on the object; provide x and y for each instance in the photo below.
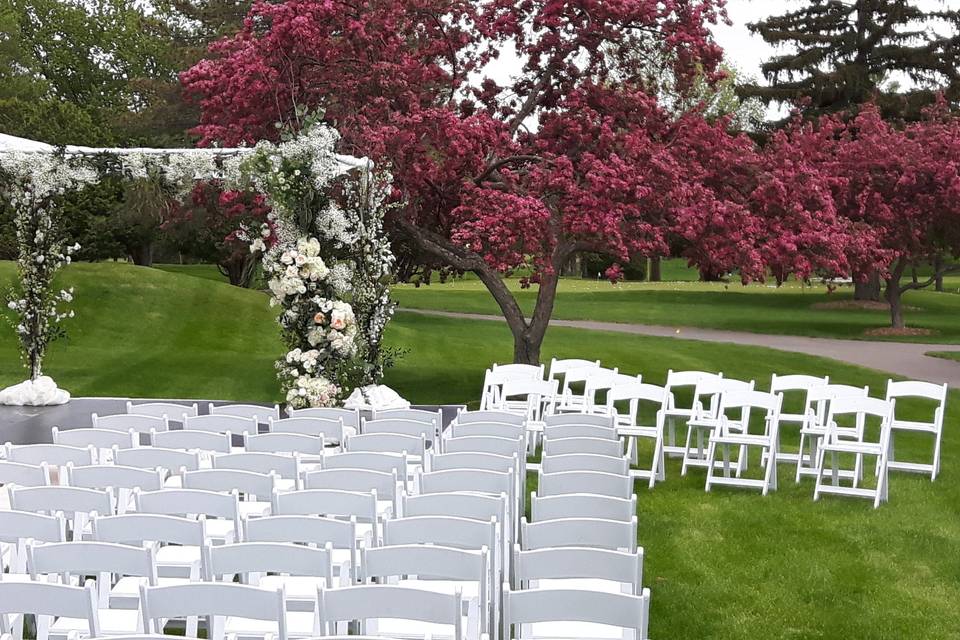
(902, 358)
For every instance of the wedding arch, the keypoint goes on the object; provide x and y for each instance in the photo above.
(324, 252)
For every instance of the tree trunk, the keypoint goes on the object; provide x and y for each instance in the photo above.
(869, 289)
(938, 273)
(654, 269)
(142, 254)
(239, 268)
(894, 295)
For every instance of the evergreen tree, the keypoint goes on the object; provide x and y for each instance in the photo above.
(842, 53)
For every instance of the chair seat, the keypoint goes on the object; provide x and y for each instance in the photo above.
(300, 624)
(254, 509)
(743, 439)
(113, 622)
(220, 529)
(397, 628)
(909, 425)
(854, 447)
(573, 631)
(636, 430)
(174, 561)
(126, 593)
(302, 588)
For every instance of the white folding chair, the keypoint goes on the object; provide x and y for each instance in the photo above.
(75, 503)
(73, 560)
(643, 417)
(349, 417)
(396, 463)
(569, 398)
(386, 485)
(206, 442)
(314, 531)
(925, 391)
(102, 440)
(429, 431)
(173, 411)
(578, 568)
(286, 467)
(595, 482)
(249, 612)
(736, 433)
(395, 443)
(580, 419)
(47, 600)
(298, 570)
(256, 488)
(426, 614)
(177, 541)
(361, 508)
(681, 412)
(495, 429)
(596, 446)
(55, 456)
(814, 429)
(534, 397)
(493, 483)
(708, 398)
(472, 460)
(555, 432)
(121, 479)
(842, 439)
(23, 475)
(579, 532)
(585, 462)
(330, 432)
(222, 510)
(549, 614)
(436, 569)
(417, 415)
(559, 368)
(447, 531)
(508, 447)
(582, 505)
(305, 445)
(222, 423)
(141, 423)
(259, 412)
(498, 375)
(172, 461)
(490, 415)
(798, 387)
(16, 529)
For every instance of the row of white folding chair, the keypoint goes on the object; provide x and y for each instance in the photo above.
(497, 375)
(243, 610)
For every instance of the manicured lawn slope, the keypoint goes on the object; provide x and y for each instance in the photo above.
(729, 565)
(789, 310)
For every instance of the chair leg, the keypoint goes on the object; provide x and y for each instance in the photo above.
(821, 458)
(686, 452)
(711, 453)
(803, 439)
(936, 457)
(657, 467)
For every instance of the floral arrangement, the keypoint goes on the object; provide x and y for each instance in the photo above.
(34, 185)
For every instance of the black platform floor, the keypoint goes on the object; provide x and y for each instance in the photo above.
(30, 425)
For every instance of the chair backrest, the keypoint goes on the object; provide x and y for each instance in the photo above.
(359, 480)
(463, 504)
(585, 462)
(192, 440)
(85, 558)
(555, 432)
(326, 502)
(820, 398)
(495, 429)
(249, 483)
(598, 446)
(141, 423)
(486, 444)
(449, 531)
(796, 382)
(156, 457)
(96, 438)
(582, 505)
(137, 528)
(365, 603)
(529, 370)
(860, 409)
(471, 460)
(50, 599)
(387, 443)
(604, 484)
(428, 430)
(579, 532)
(602, 380)
(561, 366)
(221, 423)
(478, 480)
(250, 558)
(24, 475)
(54, 455)
(100, 476)
(24, 525)
(682, 379)
(395, 463)
(310, 529)
(745, 402)
(350, 417)
(925, 390)
(635, 394)
(578, 563)
(709, 392)
(432, 561)
(69, 500)
(536, 396)
(189, 502)
(579, 419)
(261, 413)
(285, 466)
(284, 443)
(417, 415)
(628, 612)
(328, 430)
(218, 599)
(490, 415)
(174, 411)
(495, 377)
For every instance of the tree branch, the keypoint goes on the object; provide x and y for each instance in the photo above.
(499, 164)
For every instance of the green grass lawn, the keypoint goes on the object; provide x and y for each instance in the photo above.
(790, 310)
(947, 355)
(205, 271)
(729, 565)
